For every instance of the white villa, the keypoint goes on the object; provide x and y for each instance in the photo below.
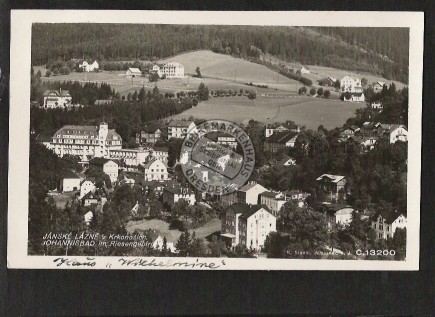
(351, 84)
(179, 129)
(173, 70)
(56, 99)
(86, 67)
(156, 171)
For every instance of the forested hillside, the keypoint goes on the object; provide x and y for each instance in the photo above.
(382, 51)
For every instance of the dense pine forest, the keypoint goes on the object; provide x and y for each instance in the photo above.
(382, 51)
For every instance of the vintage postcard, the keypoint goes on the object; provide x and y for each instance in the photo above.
(215, 140)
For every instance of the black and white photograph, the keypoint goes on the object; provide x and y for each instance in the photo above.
(187, 141)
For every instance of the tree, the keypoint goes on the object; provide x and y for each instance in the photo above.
(203, 93)
(307, 228)
(326, 94)
(181, 209)
(198, 72)
(134, 96)
(364, 82)
(154, 77)
(183, 244)
(141, 95)
(56, 71)
(302, 90)
(320, 91)
(48, 73)
(252, 94)
(312, 91)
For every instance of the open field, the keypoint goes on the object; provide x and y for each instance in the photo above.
(307, 111)
(227, 67)
(124, 85)
(319, 72)
(172, 234)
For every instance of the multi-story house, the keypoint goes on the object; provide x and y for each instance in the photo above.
(149, 135)
(173, 70)
(56, 99)
(109, 167)
(174, 192)
(157, 69)
(332, 185)
(85, 140)
(87, 186)
(70, 181)
(378, 86)
(337, 214)
(274, 201)
(385, 223)
(86, 67)
(249, 193)
(248, 225)
(155, 171)
(280, 140)
(393, 132)
(178, 129)
(351, 84)
(377, 105)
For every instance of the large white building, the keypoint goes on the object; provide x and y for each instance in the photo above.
(109, 167)
(90, 141)
(393, 132)
(351, 84)
(386, 223)
(56, 99)
(86, 67)
(155, 171)
(179, 129)
(248, 225)
(173, 70)
(249, 193)
(70, 182)
(274, 201)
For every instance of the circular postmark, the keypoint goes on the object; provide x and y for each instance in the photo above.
(214, 166)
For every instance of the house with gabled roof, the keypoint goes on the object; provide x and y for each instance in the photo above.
(56, 99)
(280, 140)
(175, 192)
(149, 134)
(385, 223)
(338, 214)
(173, 70)
(86, 67)
(249, 193)
(69, 182)
(133, 72)
(393, 132)
(248, 225)
(155, 170)
(273, 200)
(332, 185)
(378, 86)
(108, 166)
(180, 128)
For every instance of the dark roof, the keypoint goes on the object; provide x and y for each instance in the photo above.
(389, 215)
(100, 161)
(151, 128)
(246, 210)
(269, 194)
(281, 137)
(69, 174)
(358, 94)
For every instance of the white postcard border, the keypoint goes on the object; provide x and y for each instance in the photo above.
(21, 22)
